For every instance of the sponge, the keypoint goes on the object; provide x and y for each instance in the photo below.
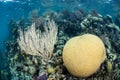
(83, 55)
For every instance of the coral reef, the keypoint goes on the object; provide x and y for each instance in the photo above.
(4, 69)
(23, 66)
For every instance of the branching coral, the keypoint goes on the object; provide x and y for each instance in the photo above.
(34, 42)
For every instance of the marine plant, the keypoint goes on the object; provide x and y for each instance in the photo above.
(35, 42)
(109, 66)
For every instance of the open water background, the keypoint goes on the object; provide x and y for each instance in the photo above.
(15, 9)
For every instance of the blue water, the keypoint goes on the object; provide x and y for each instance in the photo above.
(15, 9)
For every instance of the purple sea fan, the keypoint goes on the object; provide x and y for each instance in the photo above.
(42, 77)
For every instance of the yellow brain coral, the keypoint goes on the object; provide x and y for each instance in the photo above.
(83, 55)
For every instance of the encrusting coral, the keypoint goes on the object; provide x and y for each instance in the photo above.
(83, 55)
(35, 42)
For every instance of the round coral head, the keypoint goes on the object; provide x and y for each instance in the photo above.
(83, 55)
